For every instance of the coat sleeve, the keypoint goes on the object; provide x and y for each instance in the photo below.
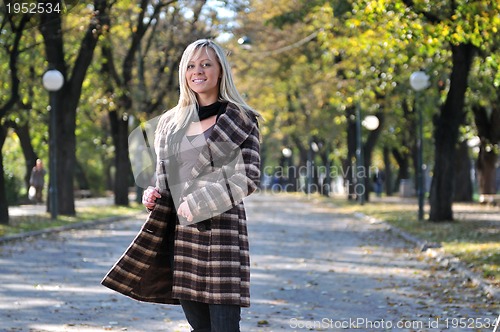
(230, 180)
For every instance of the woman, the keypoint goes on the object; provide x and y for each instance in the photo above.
(193, 248)
(37, 180)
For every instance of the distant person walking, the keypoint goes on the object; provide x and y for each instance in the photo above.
(378, 182)
(37, 180)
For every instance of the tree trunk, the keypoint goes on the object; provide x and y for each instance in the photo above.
(349, 164)
(325, 185)
(463, 183)
(4, 206)
(30, 156)
(298, 171)
(81, 177)
(123, 169)
(488, 127)
(447, 125)
(486, 169)
(66, 152)
(387, 175)
(68, 97)
(263, 149)
(11, 100)
(406, 143)
(402, 159)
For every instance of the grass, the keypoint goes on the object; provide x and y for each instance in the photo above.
(473, 237)
(20, 224)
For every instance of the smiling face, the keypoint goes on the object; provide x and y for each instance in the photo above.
(202, 75)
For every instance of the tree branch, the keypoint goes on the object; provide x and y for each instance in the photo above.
(13, 55)
(139, 33)
(429, 16)
(98, 23)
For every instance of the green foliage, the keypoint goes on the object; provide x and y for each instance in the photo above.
(362, 54)
(14, 169)
(12, 188)
(289, 79)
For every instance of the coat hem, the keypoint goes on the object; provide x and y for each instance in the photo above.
(137, 297)
(242, 304)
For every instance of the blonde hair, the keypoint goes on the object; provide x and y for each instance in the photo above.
(178, 117)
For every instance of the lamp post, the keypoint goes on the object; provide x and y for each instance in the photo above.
(245, 42)
(419, 81)
(359, 155)
(313, 148)
(370, 122)
(287, 154)
(53, 80)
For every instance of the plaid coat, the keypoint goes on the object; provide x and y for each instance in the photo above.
(210, 265)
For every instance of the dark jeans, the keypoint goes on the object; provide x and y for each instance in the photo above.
(205, 317)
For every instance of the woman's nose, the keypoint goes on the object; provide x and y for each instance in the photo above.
(199, 69)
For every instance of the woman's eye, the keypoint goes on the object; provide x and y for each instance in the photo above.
(206, 65)
(190, 66)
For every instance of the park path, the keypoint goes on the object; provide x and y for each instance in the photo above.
(37, 209)
(312, 269)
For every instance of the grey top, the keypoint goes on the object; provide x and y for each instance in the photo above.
(190, 149)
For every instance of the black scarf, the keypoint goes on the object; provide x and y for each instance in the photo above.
(204, 112)
(218, 108)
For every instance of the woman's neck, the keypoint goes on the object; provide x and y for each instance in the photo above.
(206, 100)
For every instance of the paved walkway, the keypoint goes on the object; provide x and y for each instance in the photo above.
(312, 269)
(36, 209)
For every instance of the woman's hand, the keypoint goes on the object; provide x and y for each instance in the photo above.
(184, 211)
(149, 197)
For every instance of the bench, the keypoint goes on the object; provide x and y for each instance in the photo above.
(489, 199)
(83, 193)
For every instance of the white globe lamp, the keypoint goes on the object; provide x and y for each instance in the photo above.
(53, 80)
(419, 80)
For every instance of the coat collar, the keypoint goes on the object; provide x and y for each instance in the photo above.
(230, 131)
